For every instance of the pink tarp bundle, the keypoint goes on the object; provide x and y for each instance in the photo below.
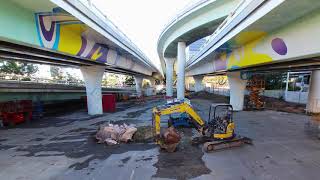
(114, 134)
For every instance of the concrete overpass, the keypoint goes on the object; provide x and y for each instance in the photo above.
(193, 23)
(71, 33)
(258, 35)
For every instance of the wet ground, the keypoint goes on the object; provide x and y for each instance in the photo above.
(286, 146)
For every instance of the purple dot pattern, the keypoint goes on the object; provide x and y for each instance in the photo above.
(279, 46)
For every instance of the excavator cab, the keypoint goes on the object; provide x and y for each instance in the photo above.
(220, 122)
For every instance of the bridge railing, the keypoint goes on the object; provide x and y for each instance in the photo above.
(115, 28)
(185, 10)
(79, 83)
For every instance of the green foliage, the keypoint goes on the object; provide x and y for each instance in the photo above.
(275, 81)
(111, 79)
(129, 80)
(71, 78)
(56, 73)
(18, 68)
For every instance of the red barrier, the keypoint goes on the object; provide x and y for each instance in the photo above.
(109, 102)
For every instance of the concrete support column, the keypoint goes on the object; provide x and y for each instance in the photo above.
(152, 82)
(313, 105)
(198, 83)
(169, 76)
(92, 76)
(180, 71)
(237, 90)
(138, 80)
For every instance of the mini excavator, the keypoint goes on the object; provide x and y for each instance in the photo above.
(216, 133)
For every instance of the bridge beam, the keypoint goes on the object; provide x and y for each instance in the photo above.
(237, 90)
(181, 55)
(138, 80)
(92, 76)
(198, 83)
(313, 105)
(169, 76)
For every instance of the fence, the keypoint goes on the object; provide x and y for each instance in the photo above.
(290, 96)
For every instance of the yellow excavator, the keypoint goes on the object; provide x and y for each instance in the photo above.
(216, 133)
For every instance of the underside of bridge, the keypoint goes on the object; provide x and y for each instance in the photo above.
(252, 82)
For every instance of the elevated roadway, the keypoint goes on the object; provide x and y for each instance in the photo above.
(258, 35)
(71, 33)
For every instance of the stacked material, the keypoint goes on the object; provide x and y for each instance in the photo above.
(114, 134)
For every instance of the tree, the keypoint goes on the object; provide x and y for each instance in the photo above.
(129, 80)
(275, 81)
(18, 68)
(56, 72)
(71, 78)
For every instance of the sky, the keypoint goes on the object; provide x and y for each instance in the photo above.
(142, 20)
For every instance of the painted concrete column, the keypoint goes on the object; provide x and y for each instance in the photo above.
(138, 80)
(180, 71)
(152, 82)
(169, 76)
(237, 90)
(313, 105)
(92, 76)
(198, 83)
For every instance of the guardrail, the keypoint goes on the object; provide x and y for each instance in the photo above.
(181, 13)
(104, 17)
(22, 79)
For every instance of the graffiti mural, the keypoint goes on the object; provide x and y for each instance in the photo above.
(58, 30)
(247, 54)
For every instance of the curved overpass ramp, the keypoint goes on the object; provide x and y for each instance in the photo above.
(259, 35)
(193, 23)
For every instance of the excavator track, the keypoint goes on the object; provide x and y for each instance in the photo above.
(215, 145)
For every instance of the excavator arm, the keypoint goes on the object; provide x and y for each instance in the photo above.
(177, 108)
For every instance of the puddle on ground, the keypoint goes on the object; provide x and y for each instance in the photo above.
(86, 148)
(185, 163)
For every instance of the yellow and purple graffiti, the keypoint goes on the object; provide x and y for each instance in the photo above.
(58, 30)
(246, 55)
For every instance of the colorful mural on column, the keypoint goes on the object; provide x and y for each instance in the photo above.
(246, 55)
(58, 30)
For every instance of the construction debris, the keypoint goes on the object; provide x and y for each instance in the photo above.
(114, 134)
(170, 139)
(144, 134)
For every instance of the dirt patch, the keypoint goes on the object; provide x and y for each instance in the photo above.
(281, 105)
(83, 149)
(209, 96)
(144, 134)
(185, 163)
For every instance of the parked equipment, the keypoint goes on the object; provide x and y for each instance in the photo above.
(217, 132)
(15, 112)
(180, 120)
